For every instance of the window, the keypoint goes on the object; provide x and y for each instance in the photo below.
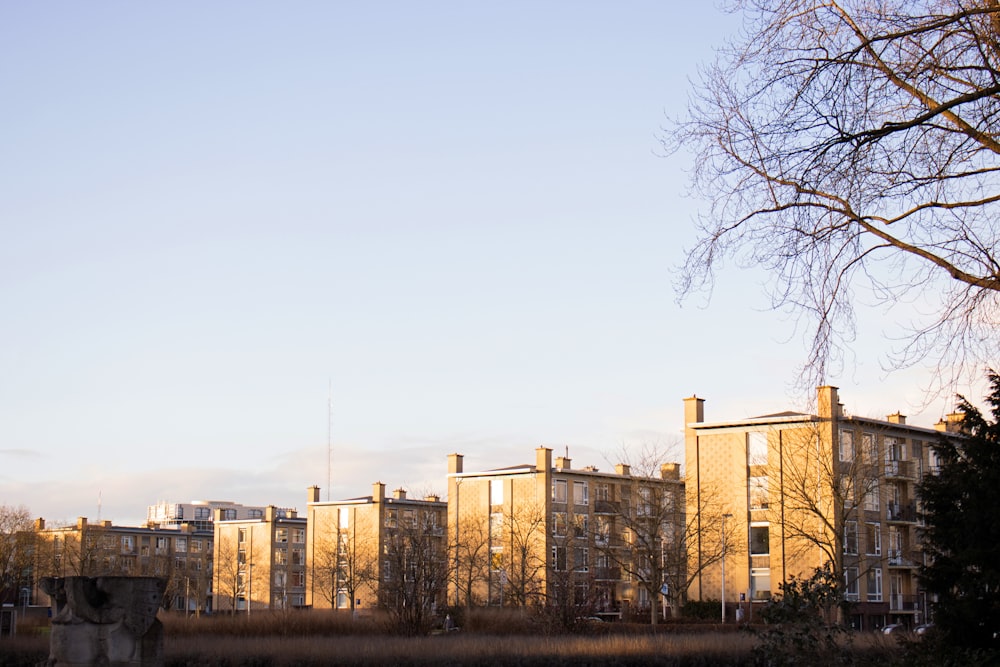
(602, 529)
(581, 559)
(846, 445)
(760, 583)
(851, 537)
(603, 491)
(895, 546)
(195, 546)
(873, 539)
(281, 535)
(298, 579)
(391, 516)
(298, 556)
(299, 535)
(874, 584)
(758, 492)
(202, 513)
(759, 540)
(280, 556)
(559, 558)
(581, 525)
(280, 578)
(410, 518)
(229, 515)
(242, 535)
(581, 493)
(496, 559)
(256, 514)
(496, 525)
(128, 544)
(180, 545)
(343, 517)
(871, 496)
(644, 507)
(756, 448)
(162, 545)
(869, 448)
(559, 491)
(851, 584)
(847, 490)
(496, 492)
(559, 527)
(895, 449)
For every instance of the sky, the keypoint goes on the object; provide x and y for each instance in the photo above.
(238, 236)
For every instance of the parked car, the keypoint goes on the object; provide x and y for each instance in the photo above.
(893, 629)
(923, 629)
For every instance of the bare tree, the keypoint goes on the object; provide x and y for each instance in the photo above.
(657, 531)
(519, 568)
(471, 552)
(346, 557)
(849, 146)
(16, 547)
(414, 570)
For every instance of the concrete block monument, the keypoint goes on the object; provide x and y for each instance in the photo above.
(105, 621)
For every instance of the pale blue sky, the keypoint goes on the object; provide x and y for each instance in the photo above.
(454, 212)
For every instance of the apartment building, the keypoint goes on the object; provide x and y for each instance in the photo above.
(260, 562)
(546, 533)
(182, 555)
(800, 490)
(376, 549)
(198, 513)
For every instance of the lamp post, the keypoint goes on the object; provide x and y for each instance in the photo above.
(724, 517)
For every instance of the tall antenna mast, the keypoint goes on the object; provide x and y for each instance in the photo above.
(329, 438)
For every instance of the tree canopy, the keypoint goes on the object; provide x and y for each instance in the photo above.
(851, 149)
(962, 535)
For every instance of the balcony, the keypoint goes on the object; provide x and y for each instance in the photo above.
(897, 558)
(899, 469)
(901, 512)
(607, 573)
(904, 603)
(606, 507)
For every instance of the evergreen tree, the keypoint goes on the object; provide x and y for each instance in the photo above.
(962, 534)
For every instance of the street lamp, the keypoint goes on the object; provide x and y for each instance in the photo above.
(724, 517)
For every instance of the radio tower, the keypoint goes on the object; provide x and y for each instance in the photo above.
(329, 439)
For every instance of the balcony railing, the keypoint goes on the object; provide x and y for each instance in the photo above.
(903, 469)
(608, 573)
(760, 561)
(904, 602)
(901, 558)
(901, 512)
(606, 507)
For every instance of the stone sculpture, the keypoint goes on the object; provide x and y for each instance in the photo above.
(105, 621)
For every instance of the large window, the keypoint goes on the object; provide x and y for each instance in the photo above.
(496, 492)
(869, 448)
(758, 492)
(496, 526)
(851, 584)
(871, 501)
(874, 584)
(581, 525)
(851, 537)
(581, 494)
(846, 445)
(873, 539)
(559, 558)
(559, 491)
(757, 448)
(759, 540)
(581, 559)
(559, 527)
(760, 583)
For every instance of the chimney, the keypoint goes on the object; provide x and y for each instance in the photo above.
(81, 522)
(454, 464)
(378, 492)
(432, 498)
(952, 423)
(694, 410)
(270, 513)
(623, 469)
(827, 402)
(563, 463)
(312, 494)
(399, 494)
(896, 418)
(39, 523)
(543, 459)
(670, 471)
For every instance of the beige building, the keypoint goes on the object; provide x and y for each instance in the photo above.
(182, 555)
(198, 513)
(799, 490)
(377, 549)
(546, 533)
(260, 563)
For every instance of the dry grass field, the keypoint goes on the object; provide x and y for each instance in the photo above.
(314, 639)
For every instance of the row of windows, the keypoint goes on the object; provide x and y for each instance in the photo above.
(895, 448)
(873, 539)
